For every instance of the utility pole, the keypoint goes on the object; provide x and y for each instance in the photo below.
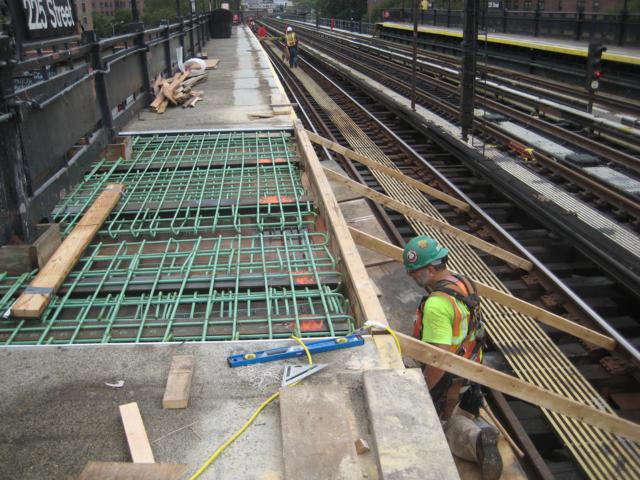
(468, 72)
(414, 10)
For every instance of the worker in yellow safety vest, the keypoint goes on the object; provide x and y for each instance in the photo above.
(450, 317)
(292, 46)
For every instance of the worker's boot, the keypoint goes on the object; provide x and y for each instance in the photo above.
(487, 453)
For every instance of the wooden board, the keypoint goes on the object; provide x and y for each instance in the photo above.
(410, 212)
(139, 445)
(132, 471)
(176, 393)
(51, 276)
(358, 157)
(360, 288)
(19, 259)
(449, 362)
(537, 313)
(316, 438)
(212, 63)
(277, 100)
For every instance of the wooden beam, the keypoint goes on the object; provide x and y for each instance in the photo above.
(137, 439)
(484, 290)
(176, 394)
(19, 259)
(358, 157)
(363, 297)
(32, 302)
(132, 471)
(449, 362)
(406, 210)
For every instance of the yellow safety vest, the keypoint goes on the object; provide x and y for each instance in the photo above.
(291, 39)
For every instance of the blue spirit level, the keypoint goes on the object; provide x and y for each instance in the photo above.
(263, 356)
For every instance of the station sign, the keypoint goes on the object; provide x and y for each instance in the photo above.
(48, 18)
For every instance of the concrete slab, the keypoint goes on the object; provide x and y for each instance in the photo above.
(241, 85)
(57, 413)
(405, 427)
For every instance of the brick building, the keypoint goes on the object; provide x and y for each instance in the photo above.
(84, 13)
(108, 7)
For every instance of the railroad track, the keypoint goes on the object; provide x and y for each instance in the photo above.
(571, 156)
(497, 218)
(572, 74)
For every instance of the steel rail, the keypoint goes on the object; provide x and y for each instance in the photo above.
(506, 237)
(614, 196)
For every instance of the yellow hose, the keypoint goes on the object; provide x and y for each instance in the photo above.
(222, 448)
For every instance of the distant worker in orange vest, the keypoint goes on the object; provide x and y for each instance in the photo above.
(292, 46)
(450, 318)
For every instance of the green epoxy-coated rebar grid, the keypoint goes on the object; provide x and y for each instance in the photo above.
(224, 249)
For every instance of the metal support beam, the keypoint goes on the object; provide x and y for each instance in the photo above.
(468, 70)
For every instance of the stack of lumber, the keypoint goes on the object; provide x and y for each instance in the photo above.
(176, 91)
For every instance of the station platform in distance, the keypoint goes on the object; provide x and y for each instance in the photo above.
(614, 53)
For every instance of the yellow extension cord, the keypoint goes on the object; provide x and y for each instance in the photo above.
(222, 448)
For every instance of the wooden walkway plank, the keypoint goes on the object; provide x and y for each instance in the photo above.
(34, 300)
(317, 443)
(176, 394)
(537, 313)
(410, 212)
(137, 439)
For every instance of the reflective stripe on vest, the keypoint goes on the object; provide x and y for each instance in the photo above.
(462, 341)
(291, 39)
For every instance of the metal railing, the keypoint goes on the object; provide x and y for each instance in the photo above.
(62, 99)
(621, 29)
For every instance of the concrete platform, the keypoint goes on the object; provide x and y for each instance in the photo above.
(560, 45)
(58, 413)
(242, 84)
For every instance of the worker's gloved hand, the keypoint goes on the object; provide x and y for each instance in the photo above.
(472, 399)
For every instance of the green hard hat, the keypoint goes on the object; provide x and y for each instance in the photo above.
(422, 251)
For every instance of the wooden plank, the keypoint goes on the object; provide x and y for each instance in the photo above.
(212, 63)
(176, 393)
(387, 201)
(132, 471)
(278, 99)
(360, 289)
(163, 106)
(316, 438)
(449, 362)
(358, 157)
(139, 445)
(46, 244)
(19, 259)
(51, 276)
(537, 313)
